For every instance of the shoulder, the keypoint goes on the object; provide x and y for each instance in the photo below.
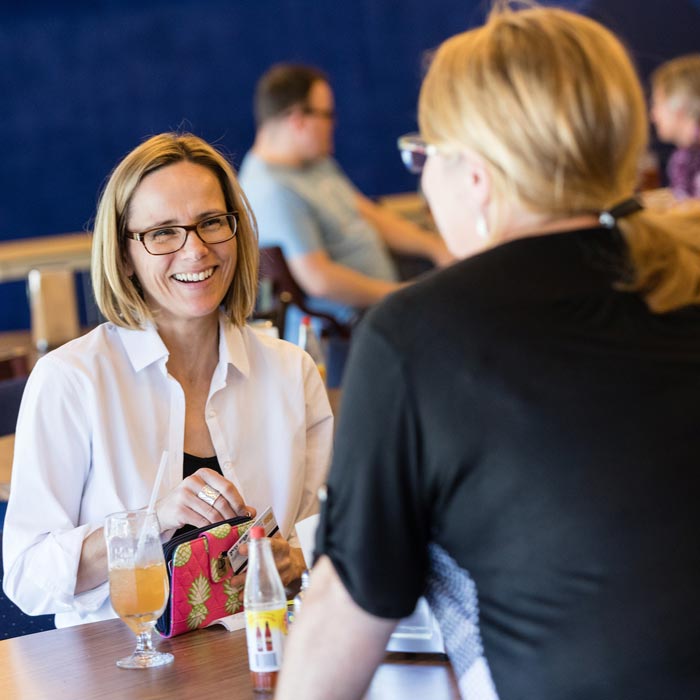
(272, 352)
(270, 190)
(67, 375)
(86, 362)
(81, 352)
(258, 176)
(466, 298)
(283, 365)
(471, 283)
(502, 291)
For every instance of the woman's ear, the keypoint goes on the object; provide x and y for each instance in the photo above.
(478, 180)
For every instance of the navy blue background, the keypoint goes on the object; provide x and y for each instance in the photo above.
(83, 82)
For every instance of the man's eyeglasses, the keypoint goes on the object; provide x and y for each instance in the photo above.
(414, 152)
(162, 240)
(323, 113)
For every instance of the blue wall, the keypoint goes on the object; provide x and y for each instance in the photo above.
(83, 82)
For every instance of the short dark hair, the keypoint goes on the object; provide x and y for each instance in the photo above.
(283, 86)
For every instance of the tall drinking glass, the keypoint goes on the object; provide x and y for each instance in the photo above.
(138, 584)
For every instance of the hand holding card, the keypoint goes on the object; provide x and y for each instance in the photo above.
(267, 521)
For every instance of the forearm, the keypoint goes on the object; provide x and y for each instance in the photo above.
(319, 276)
(403, 236)
(92, 568)
(341, 667)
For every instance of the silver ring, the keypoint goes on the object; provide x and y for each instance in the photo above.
(208, 494)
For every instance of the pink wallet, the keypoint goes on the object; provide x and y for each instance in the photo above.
(200, 572)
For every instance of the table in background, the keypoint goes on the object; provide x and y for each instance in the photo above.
(79, 662)
(69, 251)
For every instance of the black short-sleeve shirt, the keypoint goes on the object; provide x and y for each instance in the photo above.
(519, 433)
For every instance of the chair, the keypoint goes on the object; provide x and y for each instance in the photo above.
(13, 622)
(11, 391)
(54, 307)
(10, 397)
(14, 363)
(279, 290)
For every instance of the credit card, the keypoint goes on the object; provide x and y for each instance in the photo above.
(266, 521)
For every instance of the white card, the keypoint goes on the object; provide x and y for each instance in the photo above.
(267, 521)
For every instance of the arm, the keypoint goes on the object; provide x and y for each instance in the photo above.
(290, 221)
(320, 276)
(402, 235)
(357, 594)
(180, 507)
(353, 645)
(305, 452)
(92, 567)
(316, 459)
(44, 537)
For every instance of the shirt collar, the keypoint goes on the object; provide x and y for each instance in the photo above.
(232, 346)
(144, 346)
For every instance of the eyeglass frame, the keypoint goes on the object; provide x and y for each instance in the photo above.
(139, 236)
(414, 143)
(329, 114)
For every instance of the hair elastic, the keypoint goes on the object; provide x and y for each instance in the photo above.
(629, 206)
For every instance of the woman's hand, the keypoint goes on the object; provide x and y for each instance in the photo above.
(289, 561)
(204, 498)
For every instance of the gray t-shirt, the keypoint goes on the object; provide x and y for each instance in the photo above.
(312, 208)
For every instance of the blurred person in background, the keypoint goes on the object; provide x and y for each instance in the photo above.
(518, 435)
(675, 112)
(336, 241)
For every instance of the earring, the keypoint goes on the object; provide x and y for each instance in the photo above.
(482, 228)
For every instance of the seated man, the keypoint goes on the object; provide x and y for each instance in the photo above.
(336, 241)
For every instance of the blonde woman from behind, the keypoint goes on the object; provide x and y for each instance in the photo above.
(522, 427)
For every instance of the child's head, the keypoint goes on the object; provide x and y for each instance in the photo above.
(675, 100)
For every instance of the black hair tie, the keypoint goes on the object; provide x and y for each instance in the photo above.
(609, 217)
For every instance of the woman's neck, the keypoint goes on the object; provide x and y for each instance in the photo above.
(193, 349)
(525, 224)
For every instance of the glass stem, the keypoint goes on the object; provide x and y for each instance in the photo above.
(144, 643)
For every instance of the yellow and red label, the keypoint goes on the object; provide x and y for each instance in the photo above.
(265, 633)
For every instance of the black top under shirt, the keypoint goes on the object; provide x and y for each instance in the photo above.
(517, 417)
(190, 464)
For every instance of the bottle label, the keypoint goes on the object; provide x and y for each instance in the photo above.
(265, 632)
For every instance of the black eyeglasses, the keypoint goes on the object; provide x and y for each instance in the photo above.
(323, 113)
(162, 240)
(414, 152)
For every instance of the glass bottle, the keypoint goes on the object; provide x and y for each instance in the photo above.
(299, 597)
(309, 341)
(266, 613)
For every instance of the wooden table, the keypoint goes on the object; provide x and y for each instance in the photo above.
(79, 662)
(70, 251)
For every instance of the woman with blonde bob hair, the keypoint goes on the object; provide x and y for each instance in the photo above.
(243, 419)
(117, 294)
(523, 425)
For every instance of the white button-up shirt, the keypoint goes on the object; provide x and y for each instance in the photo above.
(97, 414)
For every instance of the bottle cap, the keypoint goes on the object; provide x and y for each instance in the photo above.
(257, 533)
(306, 321)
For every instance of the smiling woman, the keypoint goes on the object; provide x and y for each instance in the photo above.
(175, 369)
(183, 277)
